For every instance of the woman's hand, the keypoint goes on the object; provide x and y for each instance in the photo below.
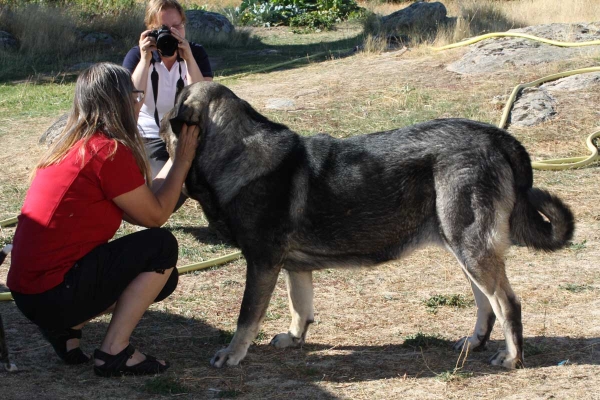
(147, 45)
(187, 142)
(151, 208)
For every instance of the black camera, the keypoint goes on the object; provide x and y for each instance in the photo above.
(166, 43)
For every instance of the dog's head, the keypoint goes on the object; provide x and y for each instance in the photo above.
(192, 107)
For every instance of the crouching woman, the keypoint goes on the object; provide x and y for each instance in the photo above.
(64, 271)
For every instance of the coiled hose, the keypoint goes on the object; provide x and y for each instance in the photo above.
(552, 164)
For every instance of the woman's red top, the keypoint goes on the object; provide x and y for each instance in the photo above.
(68, 211)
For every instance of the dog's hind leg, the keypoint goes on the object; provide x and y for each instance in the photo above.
(300, 296)
(487, 273)
(260, 283)
(483, 327)
(474, 209)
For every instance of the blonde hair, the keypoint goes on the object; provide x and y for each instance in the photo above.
(156, 6)
(102, 103)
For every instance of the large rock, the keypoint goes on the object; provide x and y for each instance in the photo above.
(573, 82)
(533, 107)
(536, 105)
(54, 130)
(496, 54)
(98, 38)
(420, 17)
(206, 21)
(8, 41)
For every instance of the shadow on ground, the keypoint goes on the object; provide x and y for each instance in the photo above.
(263, 56)
(189, 343)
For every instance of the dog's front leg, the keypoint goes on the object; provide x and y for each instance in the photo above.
(260, 283)
(300, 295)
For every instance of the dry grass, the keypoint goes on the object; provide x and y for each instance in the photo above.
(215, 4)
(362, 343)
(475, 17)
(531, 12)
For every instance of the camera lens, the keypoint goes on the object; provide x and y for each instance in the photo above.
(166, 43)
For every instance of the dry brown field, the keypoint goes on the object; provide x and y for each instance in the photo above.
(374, 336)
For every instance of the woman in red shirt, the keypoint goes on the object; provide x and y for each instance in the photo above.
(64, 271)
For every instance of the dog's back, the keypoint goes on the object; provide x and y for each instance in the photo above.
(371, 198)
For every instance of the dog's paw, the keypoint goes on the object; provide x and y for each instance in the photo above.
(284, 340)
(227, 356)
(503, 359)
(468, 343)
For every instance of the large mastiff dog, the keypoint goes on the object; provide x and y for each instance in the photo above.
(307, 203)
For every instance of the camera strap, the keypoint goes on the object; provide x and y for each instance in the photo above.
(154, 80)
(180, 83)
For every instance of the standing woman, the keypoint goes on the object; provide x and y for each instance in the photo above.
(64, 271)
(162, 76)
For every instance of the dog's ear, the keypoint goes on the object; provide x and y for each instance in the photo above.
(187, 111)
(176, 124)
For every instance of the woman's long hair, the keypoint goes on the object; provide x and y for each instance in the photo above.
(102, 103)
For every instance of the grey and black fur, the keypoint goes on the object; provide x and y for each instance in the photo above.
(306, 203)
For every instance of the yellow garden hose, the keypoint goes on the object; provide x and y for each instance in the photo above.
(516, 34)
(5, 296)
(560, 163)
(555, 164)
(8, 222)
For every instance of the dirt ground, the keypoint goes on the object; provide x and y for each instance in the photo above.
(363, 343)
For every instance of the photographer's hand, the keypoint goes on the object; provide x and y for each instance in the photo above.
(185, 51)
(147, 45)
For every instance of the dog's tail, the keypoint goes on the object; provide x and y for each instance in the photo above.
(4, 252)
(541, 220)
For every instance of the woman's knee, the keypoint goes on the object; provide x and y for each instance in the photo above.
(169, 287)
(166, 247)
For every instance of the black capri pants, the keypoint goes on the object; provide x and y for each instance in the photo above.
(99, 278)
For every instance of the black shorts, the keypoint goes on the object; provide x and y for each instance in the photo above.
(99, 278)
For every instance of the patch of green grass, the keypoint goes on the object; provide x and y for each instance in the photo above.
(30, 99)
(272, 316)
(575, 246)
(454, 375)
(575, 288)
(164, 385)
(442, 300)
(422, 340)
